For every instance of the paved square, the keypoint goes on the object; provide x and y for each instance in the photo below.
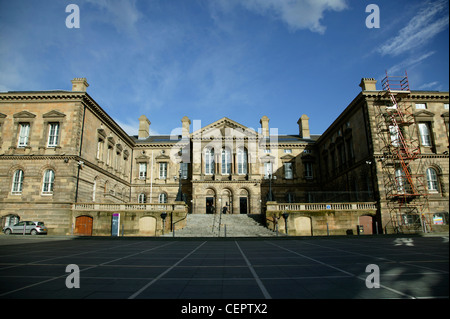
(175, 268)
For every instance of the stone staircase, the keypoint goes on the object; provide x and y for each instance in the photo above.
(205, 225)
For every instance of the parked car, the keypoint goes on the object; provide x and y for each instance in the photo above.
(30, 227)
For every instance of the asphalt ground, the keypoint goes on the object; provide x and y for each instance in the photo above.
(224, 269)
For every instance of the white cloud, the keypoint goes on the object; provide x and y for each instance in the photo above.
(409, 63)
(297, 14)
(431, 85)
(123, 14)
(420, 29)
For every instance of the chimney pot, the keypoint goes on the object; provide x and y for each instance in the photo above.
(303, 126)
(265, 126)
(185, 128)
(79, 85)
(144, 127)
(368, 84)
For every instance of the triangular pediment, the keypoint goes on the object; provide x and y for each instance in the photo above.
(225, 128)
(53, 114)
(24, 114)
(423, 113)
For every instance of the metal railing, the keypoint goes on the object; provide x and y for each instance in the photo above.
(321, 206)
(167, 207)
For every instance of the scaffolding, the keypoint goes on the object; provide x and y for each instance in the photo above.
(406, 192)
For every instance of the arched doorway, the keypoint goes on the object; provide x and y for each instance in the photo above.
(210, 202)
(147, 226)
(83, 226)
(243, 202)
(9, 220)
(303, 226)
(226, 201)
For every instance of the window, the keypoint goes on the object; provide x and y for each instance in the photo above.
(288, 174)
(209, 161)
(162, 198)
(142, 170)
(53, 134)
(17, 182)
(424, 132)
(242, 161)
(267, 169)
(100, 146)
(288, 151)
(308, 170)
(421, 106)
(400, 180)
(94, 188)
(395, 135)
(141, 198)
(49, 178)
(162, 170)
(226, 162)
(184, 170)
(432, 179)
(24, 134)
(446, 106)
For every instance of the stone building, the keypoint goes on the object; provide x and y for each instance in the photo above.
(65, 161)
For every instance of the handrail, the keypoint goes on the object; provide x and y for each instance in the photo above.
(173, 224)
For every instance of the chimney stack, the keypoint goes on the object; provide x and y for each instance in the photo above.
(144, 127)
(79, 85)
(368, 84)
(264, 126)
(185, 126)
(303, 126)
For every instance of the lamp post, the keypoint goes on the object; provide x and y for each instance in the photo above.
(270, 197)
(163, 216)
(180, 193)
(285, 216)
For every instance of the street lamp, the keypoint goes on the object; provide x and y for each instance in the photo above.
(270, 197)
(285, 216)
(180, 193)
(163, 216)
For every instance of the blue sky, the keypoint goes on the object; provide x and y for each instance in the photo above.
(207, 59)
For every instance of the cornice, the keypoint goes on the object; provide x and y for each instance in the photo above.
(39, 96)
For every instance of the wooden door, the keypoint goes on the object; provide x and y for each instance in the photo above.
(367, 223)
(83, 226)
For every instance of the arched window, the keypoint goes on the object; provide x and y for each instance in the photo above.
(162, 198)
(432, 179)
(242, 161)
(226, 161)
(17, 182)
(49, 179)
(141, 198)
(209, 161)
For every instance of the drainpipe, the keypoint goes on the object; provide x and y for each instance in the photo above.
(79, 155)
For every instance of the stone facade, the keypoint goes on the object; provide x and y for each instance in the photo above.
(59, 150)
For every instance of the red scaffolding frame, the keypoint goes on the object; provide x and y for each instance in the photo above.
(404, 183)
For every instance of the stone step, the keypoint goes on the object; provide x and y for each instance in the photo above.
(203, 225)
